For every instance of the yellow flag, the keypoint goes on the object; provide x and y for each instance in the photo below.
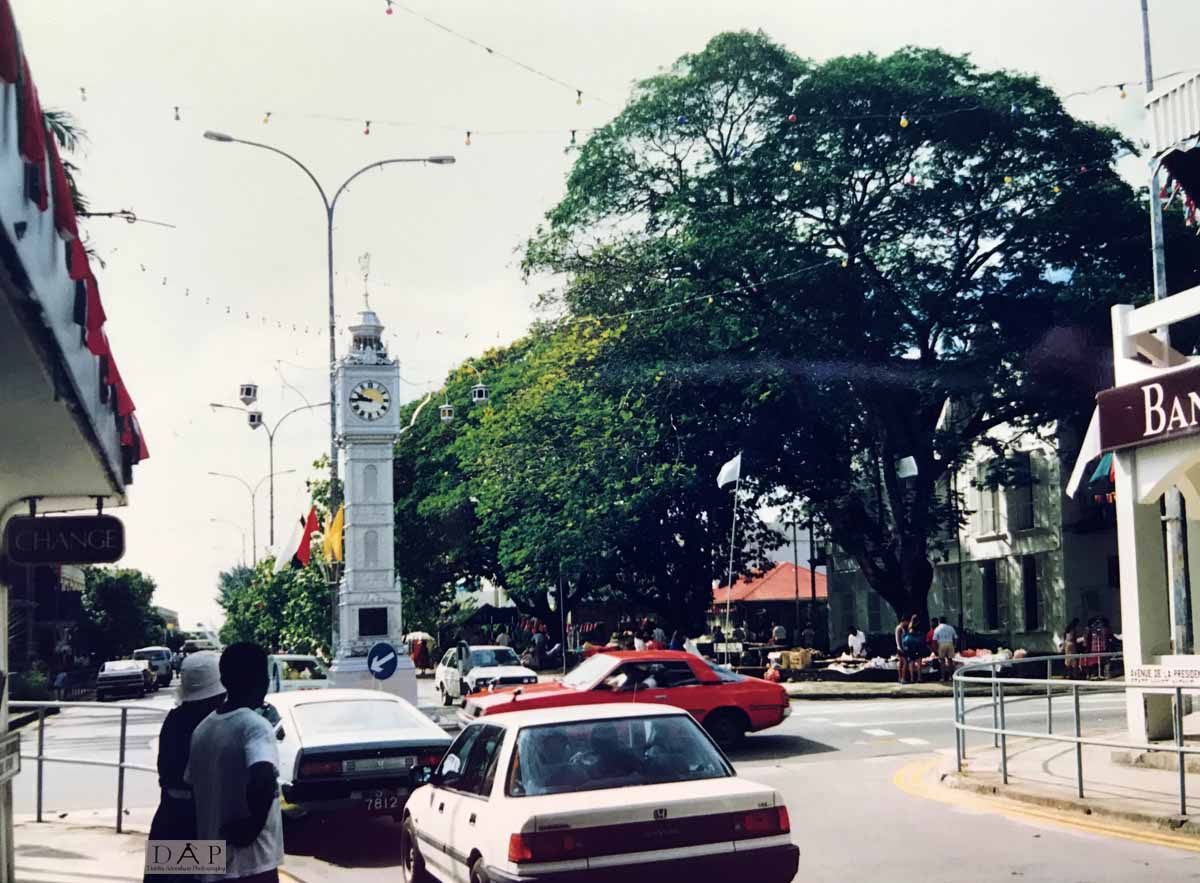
(332, 544)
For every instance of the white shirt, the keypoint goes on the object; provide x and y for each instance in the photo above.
(858, 642)
(944, 633)
(639, 644)
(224, 747)
(502, 639)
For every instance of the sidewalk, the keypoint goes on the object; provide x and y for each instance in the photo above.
(84, 847)
(1044, 773)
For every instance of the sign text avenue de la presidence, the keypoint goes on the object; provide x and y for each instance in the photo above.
(1154, 410)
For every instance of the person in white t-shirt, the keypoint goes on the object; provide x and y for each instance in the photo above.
(944, 637)
(233, 769)
(857, 642)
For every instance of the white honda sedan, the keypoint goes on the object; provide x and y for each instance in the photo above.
(598, 792)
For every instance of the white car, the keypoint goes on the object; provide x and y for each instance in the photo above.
(488, 666)
(612, 792)
(290, 671)
(359, 751)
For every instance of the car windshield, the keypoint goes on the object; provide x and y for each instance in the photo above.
(596, 755)
(152, 654)
(303, 670)
(588, 672)
(358, 715)
(494, 656)
(122, 665)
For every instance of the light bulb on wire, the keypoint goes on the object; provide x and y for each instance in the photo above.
(903, 121)
(177, 113)
(797, 166)
(389, 7)
(467, 140)
(267, 118)
(1123, 93)
(579, 96)
(367, 128)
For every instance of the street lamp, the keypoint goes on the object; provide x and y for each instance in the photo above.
(330, 208)
(253, 492)
(255, 420)
(236, 527)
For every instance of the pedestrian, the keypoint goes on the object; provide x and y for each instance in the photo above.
(200, 693)
(540, 640)
(902, 663)
(944, 639)
(233, 770)
(933, 624)
(677, 640)
(809, 635)
(660, 636)
(1071, 639)
(778, 635)
(503, 638)
(914, 650)
(857, 642)
(652, 643)
(639, 642)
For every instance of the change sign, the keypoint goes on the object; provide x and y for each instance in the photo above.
(76, 539)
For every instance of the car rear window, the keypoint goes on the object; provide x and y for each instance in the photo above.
(596, 755)
(156, 655)
(123, 665)
(355, 715)
(303, 670)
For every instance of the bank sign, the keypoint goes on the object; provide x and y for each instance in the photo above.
(76, 539)
(1159, 409)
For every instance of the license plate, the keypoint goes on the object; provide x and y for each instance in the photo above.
(382, 800)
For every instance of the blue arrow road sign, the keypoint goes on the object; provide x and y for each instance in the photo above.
(382, 661)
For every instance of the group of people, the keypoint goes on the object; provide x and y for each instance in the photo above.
(914, 646)
(1083, 644)
(218, 764)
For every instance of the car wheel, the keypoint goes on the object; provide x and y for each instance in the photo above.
(446, 700)
(412, 865)
(141, 693)
(478, 871)
(727, 727)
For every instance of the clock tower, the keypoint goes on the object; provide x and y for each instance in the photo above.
(368, 598)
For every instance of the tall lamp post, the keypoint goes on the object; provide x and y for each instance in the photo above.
(330, 208)
(253, 492)
(255, 421)
(236, 527)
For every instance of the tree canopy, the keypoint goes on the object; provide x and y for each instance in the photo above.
(118, 614)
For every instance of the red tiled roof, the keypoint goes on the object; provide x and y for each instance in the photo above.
(776, 584)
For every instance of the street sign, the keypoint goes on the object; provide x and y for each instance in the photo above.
(10, 756)
(75, 539)
(1168, 676)
(382, 661)
(1162, 408)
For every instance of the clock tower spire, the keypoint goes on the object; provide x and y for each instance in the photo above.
(368, 606)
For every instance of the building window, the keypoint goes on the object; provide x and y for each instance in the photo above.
(874, 612)
(370, 549)
(372, 622)
(989, 503)
(1021, 499)
(370, 483)
(1032, 593)
(990, 571)
(950, 596)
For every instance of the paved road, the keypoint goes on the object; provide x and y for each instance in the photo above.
(853, 773)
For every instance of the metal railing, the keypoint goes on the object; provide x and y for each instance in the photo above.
(120, 765)
(1065, 689)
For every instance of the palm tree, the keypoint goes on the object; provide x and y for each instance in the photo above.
(70, 137)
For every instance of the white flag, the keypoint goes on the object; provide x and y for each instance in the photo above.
(284, 551)
(730, 472)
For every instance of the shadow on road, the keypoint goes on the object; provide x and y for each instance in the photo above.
(772, 746)
(352, 842)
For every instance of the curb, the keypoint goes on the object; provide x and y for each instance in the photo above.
(28, 717)
(1178, 824)
(903, 693)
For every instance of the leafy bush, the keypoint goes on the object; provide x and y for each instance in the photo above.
(30, 686)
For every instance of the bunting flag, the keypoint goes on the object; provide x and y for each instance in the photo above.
(331, 545)
(304, 550)
(285, 552)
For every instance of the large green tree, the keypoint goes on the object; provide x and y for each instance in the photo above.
(118, 612)
(812, 259)
(286, 611)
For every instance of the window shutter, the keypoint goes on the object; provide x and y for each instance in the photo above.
(1042, 568)
(987, 500)
(1003, 596)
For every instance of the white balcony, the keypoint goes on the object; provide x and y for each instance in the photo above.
(1174, 116)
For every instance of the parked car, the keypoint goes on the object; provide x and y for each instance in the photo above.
(728, 704)
(160, 663)
(124, 677)
(481, 668)
(606, 791)
(358, 751)
(195, 646)
(289, 672)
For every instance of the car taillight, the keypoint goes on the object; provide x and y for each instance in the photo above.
(313, 768)
(544, 846)
(763, 823)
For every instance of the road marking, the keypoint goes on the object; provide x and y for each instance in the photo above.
(880, 733)
(913, 740)
(912, 780)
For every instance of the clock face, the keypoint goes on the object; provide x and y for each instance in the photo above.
(370, 400)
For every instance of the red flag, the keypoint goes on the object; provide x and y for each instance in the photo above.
(311, 526)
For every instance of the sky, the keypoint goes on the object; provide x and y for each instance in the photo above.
(248, 234)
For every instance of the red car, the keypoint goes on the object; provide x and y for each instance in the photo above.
(728, 705)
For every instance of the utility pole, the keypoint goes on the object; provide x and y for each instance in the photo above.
(1176, 537)
(796, 571)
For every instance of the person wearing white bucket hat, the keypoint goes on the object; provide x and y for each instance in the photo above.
(200, 693)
